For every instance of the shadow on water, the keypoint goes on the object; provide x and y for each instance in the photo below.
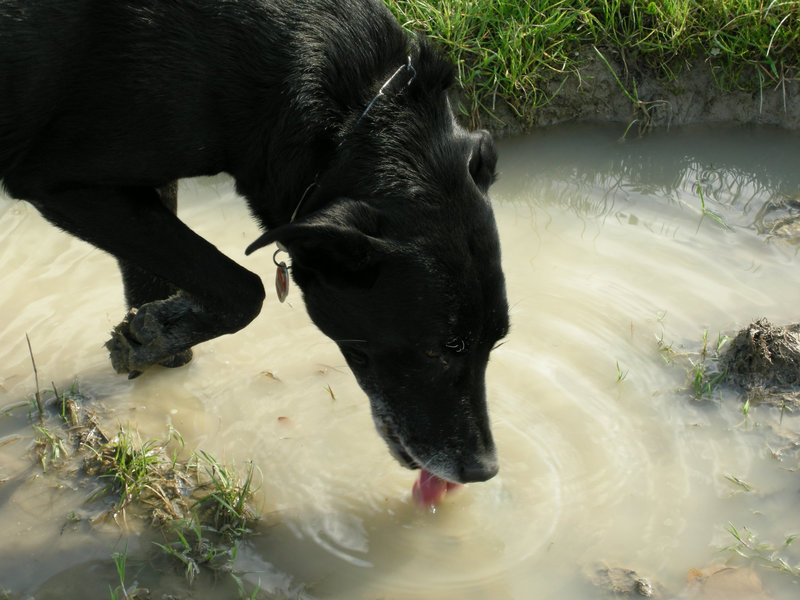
(748, 175)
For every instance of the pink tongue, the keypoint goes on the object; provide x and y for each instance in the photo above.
(429, 490)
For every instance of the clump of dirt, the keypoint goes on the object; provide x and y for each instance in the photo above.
(780, 218)
(620, 582)
(764, 361)
(720, 582)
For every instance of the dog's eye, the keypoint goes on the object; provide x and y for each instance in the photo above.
(456, 345)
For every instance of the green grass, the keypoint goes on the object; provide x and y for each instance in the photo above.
(705, 371)
(227, 504)
(219, 519)
(506, 49)
(760, 554)
(129, 464)
(707, 212)
(123, 592)
(621, 375)
(202, 529)
(202, 508)
(120, 561)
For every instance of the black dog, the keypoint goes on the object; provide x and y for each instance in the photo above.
(339, 133)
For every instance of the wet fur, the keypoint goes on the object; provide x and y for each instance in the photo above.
(103, 105)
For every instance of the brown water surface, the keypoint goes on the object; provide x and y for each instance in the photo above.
(605, 455)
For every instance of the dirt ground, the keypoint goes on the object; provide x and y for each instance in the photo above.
(649, 99)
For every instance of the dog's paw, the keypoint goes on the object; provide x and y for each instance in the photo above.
(152, 335)
(177, 360)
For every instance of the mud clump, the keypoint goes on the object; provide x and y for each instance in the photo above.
(780, 218)
(720, 582)
(764, 361)
(620, 582)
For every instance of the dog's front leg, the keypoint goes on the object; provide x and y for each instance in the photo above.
(142, 288)
(216, 296)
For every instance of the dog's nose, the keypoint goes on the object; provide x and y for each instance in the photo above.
(478, 468)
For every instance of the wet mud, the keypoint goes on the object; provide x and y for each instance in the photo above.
(612, 85)
(620, 582)
(192, 511)
(763, 360)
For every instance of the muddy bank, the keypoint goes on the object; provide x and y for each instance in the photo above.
(175, 519)
(612, 85)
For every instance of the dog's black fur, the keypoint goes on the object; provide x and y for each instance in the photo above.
(394, 245)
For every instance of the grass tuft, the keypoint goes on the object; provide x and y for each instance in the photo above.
(202, 507)
(761, 554)
(506, 49)
(705, 370)
(227, 505)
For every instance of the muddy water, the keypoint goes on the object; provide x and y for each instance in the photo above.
(605, 456)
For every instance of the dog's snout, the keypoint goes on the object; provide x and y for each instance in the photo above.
(479, 468)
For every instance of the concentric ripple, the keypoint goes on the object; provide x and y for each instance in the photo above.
(610, 258)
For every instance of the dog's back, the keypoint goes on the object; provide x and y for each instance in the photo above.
(34, 43)
(190, 84)
(99, 79)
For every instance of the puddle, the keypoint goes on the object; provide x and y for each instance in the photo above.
(609, 249)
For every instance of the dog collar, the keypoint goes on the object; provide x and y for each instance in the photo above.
(282, 272)
(410, 71)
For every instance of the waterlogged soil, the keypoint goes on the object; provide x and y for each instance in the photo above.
(626, 261)
(174, 519)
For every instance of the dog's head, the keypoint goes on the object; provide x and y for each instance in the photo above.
(401, 268)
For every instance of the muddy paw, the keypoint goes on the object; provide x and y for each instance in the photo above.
(153, 334)
(177, 360)
(171, 362)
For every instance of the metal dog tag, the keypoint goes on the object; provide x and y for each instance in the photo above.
(282, 281)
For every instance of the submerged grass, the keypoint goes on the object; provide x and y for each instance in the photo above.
(761, 554)
(707, 212)
(201, 507)
(123, 591)
(504, 48)
(128, 464)
(705, 369)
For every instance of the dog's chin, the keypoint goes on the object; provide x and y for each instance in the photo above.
(402, 455)
(400, 450)
(385, 428)
(396, 448)
(395, 443)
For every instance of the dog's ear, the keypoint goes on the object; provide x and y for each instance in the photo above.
(482, 160)
(338, 251)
